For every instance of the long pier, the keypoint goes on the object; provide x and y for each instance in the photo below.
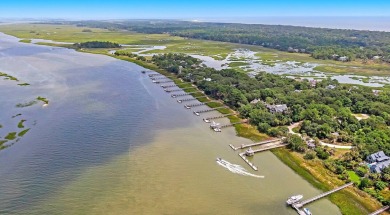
(207, 120)
(161, 82)
(168, 86)
(180, 95)
(243, 146)
(315, 198)
(270, 147)
(242, 155)
(231, 124)
(195, 105)
(158, 77)
(181, 89)
(380, 210)
(155, 74)
(207, 110)
(190, 99)
(172, 85)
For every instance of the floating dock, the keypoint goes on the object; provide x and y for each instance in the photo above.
(243, 146)
(190, 99)
(380, 210)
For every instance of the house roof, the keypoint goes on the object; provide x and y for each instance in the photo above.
(378, 157)
(277, 108)
(378, 167)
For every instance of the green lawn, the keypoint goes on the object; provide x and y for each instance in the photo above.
(354, 177)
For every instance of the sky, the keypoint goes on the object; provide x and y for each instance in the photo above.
(196, 9)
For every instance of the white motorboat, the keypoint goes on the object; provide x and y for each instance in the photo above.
(294, 199)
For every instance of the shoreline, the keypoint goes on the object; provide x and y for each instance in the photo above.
(351, 204)
(352, 201)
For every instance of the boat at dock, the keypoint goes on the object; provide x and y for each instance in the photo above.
(294, 199)
(307, 212)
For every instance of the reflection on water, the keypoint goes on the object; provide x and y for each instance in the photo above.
(112, 142)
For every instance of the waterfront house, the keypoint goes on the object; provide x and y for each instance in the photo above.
(376, 92)
(378, 161)
(313, 83)
(255, 101)
(311, 144)
(277, 108)
(331, 87)
(343, 59)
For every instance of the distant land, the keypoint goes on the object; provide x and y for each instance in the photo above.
(338, 22)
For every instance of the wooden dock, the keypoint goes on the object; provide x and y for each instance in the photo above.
(195, 105)
(180, 89)
(161, 82)
(155, 74)
(380, 210)
(243, 146)
(207, 110)
(232, 124)
(270, 147)
(180, 95)
(168, 86)
(300, 204)
(207, 120)
(190, 99)
(159, 78)
(242, 155)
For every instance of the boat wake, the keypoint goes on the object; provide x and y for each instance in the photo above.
(235, 168)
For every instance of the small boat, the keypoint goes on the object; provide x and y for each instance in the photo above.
(144, 72)
(206, 120)
(307, 212)
(196, 113)
(217, 129)
(294, 199)
(186, 106)
(178, 101)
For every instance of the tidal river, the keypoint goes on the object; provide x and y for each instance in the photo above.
(112, 142)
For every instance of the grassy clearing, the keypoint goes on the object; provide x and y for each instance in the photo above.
(353, 177)
(350, 200)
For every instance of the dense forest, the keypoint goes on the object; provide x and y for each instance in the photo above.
(321, 43)
(96, 44)
(321, 109)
